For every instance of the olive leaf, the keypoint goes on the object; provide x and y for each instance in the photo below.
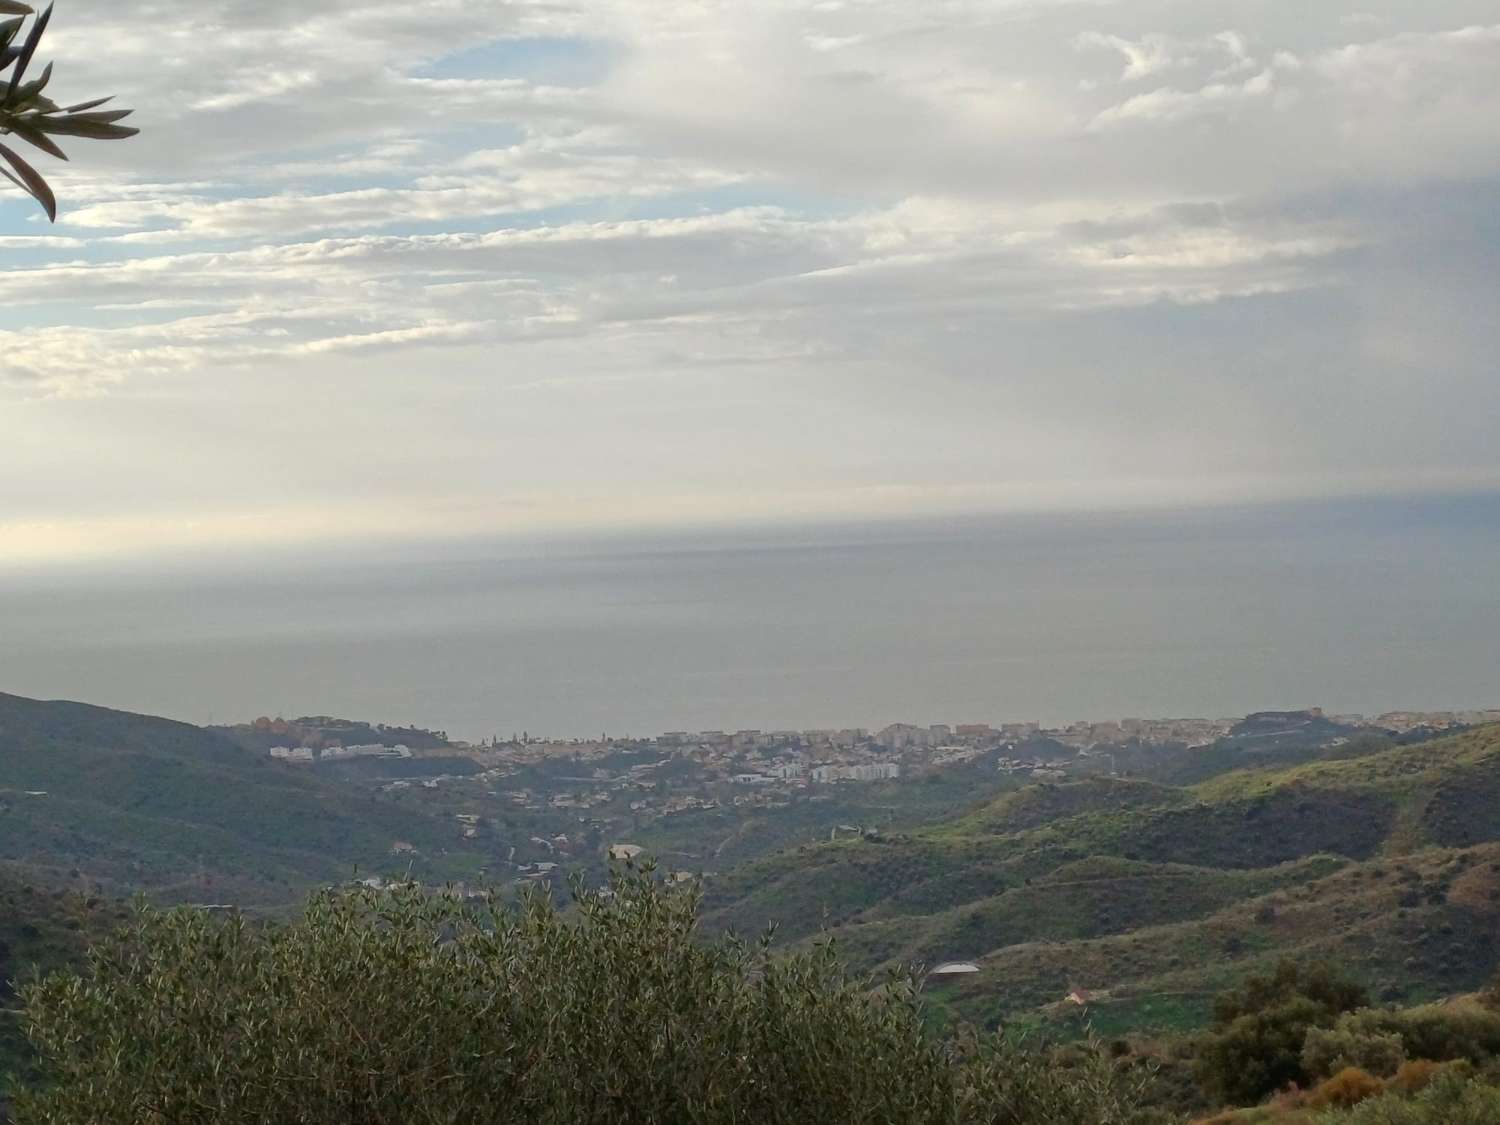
(28, 114)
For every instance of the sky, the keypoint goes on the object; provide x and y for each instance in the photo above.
(438, 269)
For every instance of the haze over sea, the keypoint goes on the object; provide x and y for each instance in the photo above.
(1357, 606)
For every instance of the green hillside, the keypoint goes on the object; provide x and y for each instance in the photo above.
(1152, 897)
(131, 803)
(40, 930)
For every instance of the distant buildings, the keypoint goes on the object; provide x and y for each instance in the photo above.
(878, 771)
(904, 736)
(368, 750)
(305, 754)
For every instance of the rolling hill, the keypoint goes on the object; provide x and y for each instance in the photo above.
(121, 803)
(1149, 898)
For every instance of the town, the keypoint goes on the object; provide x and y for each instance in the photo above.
(714, 797)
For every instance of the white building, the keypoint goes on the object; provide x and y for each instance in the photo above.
(370, 750)
(954, 969)
(882, 771)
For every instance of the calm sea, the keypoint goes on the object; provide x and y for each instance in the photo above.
(1354, 606)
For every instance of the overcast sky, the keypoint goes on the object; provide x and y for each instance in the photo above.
(459, 267)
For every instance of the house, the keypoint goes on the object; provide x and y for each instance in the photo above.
(624, 852)
(954, 969)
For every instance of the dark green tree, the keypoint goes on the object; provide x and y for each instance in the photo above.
(28, 114)
(1255, 1045)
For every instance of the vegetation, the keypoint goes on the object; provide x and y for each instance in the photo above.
(1404, 1063)
(129, 802)
(27, 113)
(405, 1007)
(41, 931)
(1153, 898)
(1448, 1100)
(1260, 1030)
(1185, 922)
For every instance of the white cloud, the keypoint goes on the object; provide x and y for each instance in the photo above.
(886, 248)
(1149, 55)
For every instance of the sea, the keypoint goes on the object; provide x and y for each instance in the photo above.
(1353, 605)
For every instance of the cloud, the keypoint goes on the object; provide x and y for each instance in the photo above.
(855, 249)
(1151, 54)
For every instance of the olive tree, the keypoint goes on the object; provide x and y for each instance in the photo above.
(28, 114)
(413, 1007)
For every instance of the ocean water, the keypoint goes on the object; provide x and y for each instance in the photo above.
(1354, 606)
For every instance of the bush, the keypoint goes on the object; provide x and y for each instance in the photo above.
(1490, 996)
(1256, 1044)
(1257, 1053)
(1327, 1051)
(1451, 1099)
(1414, 1075)
(1291, 979)
(1442, 1034)
(405, 1007)
(1347, 1088)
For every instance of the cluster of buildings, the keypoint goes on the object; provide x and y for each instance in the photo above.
(606, 783)
(1403, 722)
(306, 755)
(366, 750)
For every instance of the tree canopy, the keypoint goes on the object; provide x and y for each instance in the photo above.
(408, 1006)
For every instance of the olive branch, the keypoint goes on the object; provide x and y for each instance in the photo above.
(28, 114)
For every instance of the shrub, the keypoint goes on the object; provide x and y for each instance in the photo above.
(1256, 1044)
(1490, 996)
(1414, 1075)
(1454, 1031)
(1257, 1053)
(1316, 981)
(1451, 1099)
(1347, 1088)
(405, 1007)
(1327, 1051)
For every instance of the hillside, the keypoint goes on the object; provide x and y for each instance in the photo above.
(40, 930)
(129, 802)
(1151, 897)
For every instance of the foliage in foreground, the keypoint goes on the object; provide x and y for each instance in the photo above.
(404, 1007)
(27, 113)
(1450, 1100)
(1453, 1096)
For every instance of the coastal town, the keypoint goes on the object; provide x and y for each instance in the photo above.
(541, 803)
(756, 758)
